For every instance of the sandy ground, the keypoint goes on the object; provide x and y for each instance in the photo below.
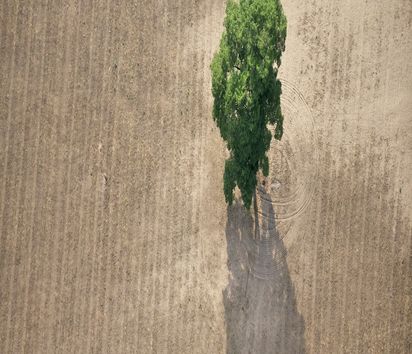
(114, 234)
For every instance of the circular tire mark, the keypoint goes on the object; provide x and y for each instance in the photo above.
(293, 161)
(266, 256)
(266, 252)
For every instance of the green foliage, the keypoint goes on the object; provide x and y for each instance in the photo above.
(246, 90)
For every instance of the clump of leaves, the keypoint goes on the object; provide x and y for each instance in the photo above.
(246, 90)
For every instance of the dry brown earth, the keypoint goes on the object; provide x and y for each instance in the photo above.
(114, 234)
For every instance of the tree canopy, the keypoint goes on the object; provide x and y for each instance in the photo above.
(246, 90)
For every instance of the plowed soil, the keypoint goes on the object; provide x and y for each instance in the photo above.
(114, 233)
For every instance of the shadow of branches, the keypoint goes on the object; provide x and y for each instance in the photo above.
(260, 305)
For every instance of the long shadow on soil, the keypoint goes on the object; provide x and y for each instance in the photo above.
(260, 305)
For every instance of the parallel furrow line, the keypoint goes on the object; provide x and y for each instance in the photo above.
(347, 232)
(81, 291)
(170, 291)
(77, 257)
(191, 308)
(331, 242)
(159, 186)
(97, 114)
(158, 289)
(318, 243)
(50, 297)
(62, 328)
(172, 274)
(35, 207)
(111, 217)
(7, 143)
(14, 298)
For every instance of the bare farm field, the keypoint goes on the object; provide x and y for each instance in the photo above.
(114, 232)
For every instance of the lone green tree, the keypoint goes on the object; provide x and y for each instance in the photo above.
(246, 90)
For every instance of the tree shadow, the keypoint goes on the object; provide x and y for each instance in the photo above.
(260, 305)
